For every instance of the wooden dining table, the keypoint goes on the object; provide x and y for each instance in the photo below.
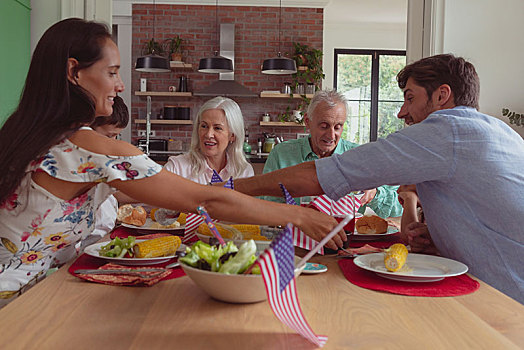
(65, 312)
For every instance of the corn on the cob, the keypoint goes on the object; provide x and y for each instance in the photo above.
(152, 214)
(182, 218)
(247, 231)
(156, 247)
(395, 257)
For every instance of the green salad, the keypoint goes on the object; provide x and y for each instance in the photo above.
(227, 259)
(118, 248)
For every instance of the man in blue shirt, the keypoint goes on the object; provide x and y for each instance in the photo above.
(325, 120)
(468, 168)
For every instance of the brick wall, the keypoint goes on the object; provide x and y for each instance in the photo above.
(256, 38)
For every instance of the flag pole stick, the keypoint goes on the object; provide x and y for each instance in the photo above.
(330, 235)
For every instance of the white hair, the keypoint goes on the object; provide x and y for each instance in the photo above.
(331, 97)
(234, 151)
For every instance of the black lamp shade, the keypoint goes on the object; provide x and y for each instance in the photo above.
(152, 64)
(279, 65)
(215, 64)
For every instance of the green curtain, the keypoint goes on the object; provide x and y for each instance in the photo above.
(15, 54)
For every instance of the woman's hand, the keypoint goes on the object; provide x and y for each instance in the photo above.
(317, 225)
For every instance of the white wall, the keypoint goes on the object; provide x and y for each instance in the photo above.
(371, 24)
(48, 12)
(491, 35)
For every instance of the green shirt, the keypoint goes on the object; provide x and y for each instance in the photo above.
(294, 152)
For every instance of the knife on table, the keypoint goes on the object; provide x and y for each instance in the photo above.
(133, 272)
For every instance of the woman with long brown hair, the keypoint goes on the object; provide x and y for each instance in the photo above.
(53, 162)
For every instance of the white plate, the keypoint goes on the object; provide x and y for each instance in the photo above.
(94, 250)
(418, 268)
(368, 237)
(147, 227)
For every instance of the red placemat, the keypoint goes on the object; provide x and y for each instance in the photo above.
(85, 261)
(448, 287)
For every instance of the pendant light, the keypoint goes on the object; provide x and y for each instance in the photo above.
(152, 63)
(215, 63)
(279, 64)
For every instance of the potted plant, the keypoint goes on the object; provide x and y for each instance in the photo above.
(153, 47)
(311, 59)
(514, 118)
(309, 64)
(174, 48)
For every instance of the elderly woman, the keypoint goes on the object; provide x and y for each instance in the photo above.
(216, 144)
(47, 192)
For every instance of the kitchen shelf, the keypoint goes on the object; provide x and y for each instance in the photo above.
(180, 65)
(281, 124)
(279, 95)
(162, 93)
(165, 121)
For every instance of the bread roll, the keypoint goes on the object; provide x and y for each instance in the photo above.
(371, 225)
(132, 215)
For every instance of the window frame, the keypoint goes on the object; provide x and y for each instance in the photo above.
(375, 67)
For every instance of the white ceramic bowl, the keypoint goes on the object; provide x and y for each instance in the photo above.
(230, 288)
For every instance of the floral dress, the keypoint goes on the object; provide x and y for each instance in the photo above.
(38, 231)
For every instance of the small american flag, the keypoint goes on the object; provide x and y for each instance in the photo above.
(343, 206)
(215, 177)
(300, 239)
(194, 220)
(278, 271)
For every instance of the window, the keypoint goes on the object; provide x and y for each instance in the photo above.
(368, 80)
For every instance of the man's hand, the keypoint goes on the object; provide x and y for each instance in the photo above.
(419, 239)
(368, 196)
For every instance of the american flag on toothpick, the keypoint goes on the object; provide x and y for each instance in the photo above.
(300, 239)
(194, 220)
(343, 206)
(278, 271)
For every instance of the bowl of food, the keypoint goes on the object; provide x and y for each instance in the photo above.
(219, 271)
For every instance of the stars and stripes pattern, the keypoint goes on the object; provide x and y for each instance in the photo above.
(344, 206)
(194, 220)
(300, 239)
(278, 271)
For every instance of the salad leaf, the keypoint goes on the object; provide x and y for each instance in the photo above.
(214, 257)
(242, 260)
(117, 248)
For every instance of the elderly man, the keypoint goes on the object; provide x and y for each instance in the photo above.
(467, 168)
(325, 120)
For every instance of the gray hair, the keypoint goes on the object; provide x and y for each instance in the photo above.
(330, 97)
(234, 151)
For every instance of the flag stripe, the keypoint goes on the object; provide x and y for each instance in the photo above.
(286, 306)
(276, 265)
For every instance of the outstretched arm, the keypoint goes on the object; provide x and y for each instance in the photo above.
(167, 190)
(300, 180)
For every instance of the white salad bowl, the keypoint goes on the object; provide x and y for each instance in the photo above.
(231, 288)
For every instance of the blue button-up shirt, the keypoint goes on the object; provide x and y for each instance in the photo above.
(469, 172)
